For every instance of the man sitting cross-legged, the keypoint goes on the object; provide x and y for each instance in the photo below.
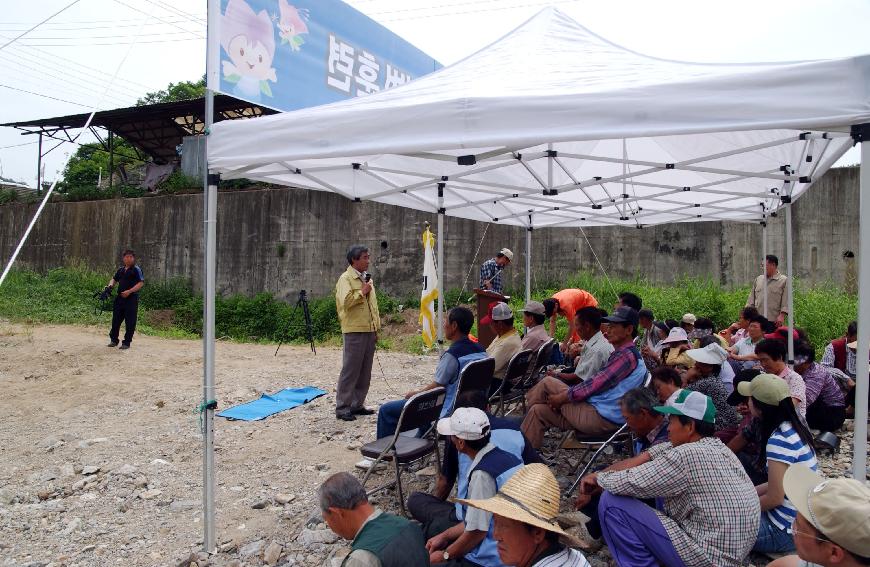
(592, 407)
(433, 511)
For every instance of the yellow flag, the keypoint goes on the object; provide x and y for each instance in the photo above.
(430, 290)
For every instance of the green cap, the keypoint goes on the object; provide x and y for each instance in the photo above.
(690, 404)
(766, 388)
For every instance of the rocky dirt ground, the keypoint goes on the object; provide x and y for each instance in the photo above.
(100, 451)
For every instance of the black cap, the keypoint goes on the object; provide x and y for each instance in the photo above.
(624, 315)
(735, 397)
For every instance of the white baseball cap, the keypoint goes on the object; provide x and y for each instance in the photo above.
(710, 354)
(506, 252)
(470, 424)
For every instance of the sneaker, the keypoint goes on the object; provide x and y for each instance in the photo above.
(366, 463)
(124, 347)
(112, 344)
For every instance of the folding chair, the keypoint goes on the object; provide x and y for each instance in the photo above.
(539, 361)
(601, 445)
(420, 411)
(517, 370)
(476, 375)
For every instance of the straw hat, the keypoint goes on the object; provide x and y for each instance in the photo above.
(530, 496)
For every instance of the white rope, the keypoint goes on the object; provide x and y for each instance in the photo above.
(600, 265)
(69, 157)
(473, 264)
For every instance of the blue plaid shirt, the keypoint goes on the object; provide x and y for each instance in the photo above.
(490, 271)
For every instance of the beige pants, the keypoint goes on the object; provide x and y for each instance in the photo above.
(578, 416)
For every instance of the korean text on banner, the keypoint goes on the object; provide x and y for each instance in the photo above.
(292, 54)
(430, 290)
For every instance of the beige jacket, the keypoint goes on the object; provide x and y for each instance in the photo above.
(777, 299)
(354, 315)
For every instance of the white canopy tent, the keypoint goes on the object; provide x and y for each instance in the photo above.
(555, 126)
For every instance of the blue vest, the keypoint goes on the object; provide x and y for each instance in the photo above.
(505, 435)
(500, 465)
(464, 351)
(606, 403)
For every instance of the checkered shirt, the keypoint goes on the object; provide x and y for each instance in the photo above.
(489, 271)
(710, 508)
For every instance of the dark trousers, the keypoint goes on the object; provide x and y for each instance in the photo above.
(125, 309)
(825, 418)
(434, 514)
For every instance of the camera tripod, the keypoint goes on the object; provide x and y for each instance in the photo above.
(306, 313)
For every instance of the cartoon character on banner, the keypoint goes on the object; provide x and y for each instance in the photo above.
(291, 24)
(248, 39)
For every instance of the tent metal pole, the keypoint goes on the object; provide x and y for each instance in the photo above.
(529, 261)
(764, 263)
(789, 283)
(441, 271)
(207, 408)
(862, 378)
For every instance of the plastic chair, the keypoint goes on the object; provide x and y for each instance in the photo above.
(517, 370)
(420, 411)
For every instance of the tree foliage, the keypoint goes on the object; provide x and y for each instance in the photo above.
(183, 90)
(83, 170)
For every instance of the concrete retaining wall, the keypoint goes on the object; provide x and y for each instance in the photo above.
(282, 240)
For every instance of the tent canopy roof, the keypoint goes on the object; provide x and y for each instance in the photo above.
(557, 126)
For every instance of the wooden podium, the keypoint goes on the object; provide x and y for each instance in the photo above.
(485, 298)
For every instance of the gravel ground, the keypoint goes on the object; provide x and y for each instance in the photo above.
(100, 451)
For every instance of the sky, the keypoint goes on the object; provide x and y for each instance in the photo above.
(108, 53)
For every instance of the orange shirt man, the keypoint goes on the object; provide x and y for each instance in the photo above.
(568, 302)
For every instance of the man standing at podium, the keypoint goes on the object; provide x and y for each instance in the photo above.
(490, 271)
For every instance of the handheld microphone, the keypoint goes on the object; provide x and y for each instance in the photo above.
(367, 277)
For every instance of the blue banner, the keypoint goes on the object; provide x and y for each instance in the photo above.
(300, 53)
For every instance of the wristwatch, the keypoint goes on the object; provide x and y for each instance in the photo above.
(445, 555)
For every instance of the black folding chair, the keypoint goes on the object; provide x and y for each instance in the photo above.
(420, 411)
(601, 445)
(516, 372)
(476, 375)
(538, 362)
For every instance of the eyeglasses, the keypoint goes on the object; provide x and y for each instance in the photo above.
(808, 534)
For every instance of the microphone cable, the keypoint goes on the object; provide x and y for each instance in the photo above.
(366, 278)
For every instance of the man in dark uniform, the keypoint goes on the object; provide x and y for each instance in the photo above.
(130, 280)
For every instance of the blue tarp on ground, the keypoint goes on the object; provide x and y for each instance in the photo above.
(270, 404)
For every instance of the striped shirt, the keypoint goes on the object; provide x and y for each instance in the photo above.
(786, 446)
(566, 557)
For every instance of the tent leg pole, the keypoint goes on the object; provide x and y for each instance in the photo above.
(789, 244)
(862, 379)
(764, 263)
(441, 270)
(210, 186)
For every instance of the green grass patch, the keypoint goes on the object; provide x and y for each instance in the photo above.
(64, 296)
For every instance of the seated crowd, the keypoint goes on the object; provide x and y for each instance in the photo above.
(723, 457)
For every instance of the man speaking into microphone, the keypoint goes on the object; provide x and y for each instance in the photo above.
(357, 307)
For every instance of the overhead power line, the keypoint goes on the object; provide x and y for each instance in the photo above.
(43, 95)
(16, 38)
